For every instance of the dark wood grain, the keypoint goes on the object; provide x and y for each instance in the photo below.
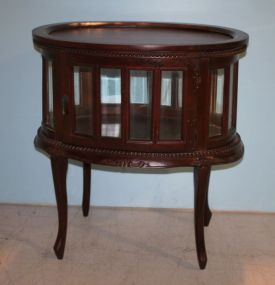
(59, 172)
(189, 135)
(207, 211)
(86, 189)
(144, 36)
(140, 36)
(201, 178)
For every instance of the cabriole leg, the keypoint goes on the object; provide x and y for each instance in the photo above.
(59, 171)
(86, 189)
(207, 211)
(201, 179)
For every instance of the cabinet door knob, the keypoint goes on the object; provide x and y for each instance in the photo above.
(65, 105)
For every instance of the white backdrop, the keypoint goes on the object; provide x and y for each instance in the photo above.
(25, 174)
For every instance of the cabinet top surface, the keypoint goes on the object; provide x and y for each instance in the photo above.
(131, 35)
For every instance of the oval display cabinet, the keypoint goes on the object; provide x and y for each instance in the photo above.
(134, 94)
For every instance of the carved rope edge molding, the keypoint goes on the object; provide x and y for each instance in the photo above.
(236, 143)
(145, 54)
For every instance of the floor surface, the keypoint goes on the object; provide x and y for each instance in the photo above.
(135, 247)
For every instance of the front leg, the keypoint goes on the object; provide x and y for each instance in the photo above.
(86, 189)
(207, 211)
(201, 179)
(59, 172)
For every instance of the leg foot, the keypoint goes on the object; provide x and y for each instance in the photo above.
(201, 178)
(86, 189)
(207, 216)
(59, 171)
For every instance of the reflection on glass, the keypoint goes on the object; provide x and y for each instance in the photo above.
(171, 105)
(231, 90)
(110, 94)
(216, 102)
(50, 119)
(140, 104)
(83, 100)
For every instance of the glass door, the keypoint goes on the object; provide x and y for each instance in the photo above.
(83, 100)
(110, 98)
(140, 104)
(171, 103)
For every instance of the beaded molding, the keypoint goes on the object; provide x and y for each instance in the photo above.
(144, 54)
(197, 155)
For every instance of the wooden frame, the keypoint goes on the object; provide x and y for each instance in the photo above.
(195, 50)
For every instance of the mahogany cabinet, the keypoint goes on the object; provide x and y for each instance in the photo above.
(135, 94)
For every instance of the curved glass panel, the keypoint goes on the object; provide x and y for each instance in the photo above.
(50, 117)
(231, 96)
(216, 102)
